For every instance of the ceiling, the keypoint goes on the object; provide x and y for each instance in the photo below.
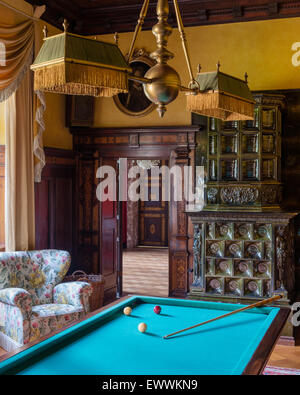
(91, 17)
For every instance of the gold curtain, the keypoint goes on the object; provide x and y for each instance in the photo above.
(19, 173)
(17, 46)
(16, 89)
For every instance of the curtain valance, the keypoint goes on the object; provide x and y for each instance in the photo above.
(16, 53)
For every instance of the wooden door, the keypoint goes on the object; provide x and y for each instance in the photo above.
(154, 216)
(109, 246)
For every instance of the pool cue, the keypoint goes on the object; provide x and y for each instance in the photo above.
(252, 306)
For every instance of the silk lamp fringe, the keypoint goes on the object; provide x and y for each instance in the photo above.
(77, 79)
(221, 106)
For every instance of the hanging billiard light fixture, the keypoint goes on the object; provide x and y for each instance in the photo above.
(73, 64)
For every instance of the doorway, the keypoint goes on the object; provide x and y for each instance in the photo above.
(145, 258)
(95, 147)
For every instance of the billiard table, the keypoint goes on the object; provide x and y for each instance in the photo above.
(239, 344)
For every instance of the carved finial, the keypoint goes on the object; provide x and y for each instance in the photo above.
(218, 66)
(45, 31)
(199, 68)
(161, 110)
(246, 77)
(116, 38)
(66, 25)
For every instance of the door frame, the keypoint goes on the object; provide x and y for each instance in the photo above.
(176, 144)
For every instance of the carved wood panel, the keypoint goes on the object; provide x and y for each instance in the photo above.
(55, 204)
(103, 17)
(153, 215)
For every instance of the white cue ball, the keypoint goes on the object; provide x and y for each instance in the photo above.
(142, 327)
(127, 310)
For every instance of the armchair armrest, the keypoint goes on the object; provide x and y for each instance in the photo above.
(75, 293)
(17, 297)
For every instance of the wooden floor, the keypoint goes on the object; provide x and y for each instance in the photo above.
(146, 271)
(285, 357)
(2, 352)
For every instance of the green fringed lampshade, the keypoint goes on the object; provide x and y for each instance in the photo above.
(76, 65)
(222, 96)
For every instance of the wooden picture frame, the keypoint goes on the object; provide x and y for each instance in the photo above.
(135, 103)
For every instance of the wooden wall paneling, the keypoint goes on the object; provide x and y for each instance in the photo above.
(42, 225)
(55, 204)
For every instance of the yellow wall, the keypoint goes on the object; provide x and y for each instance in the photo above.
(262, 48)
(10, 17)
(56, 134)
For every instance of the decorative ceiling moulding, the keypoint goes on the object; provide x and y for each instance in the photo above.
(101, 17)
(76, 65)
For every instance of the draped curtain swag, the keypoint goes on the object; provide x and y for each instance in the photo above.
(24, 152)
(19, 44)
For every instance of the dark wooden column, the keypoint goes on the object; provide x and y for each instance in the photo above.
(181, 228)
(178, 238)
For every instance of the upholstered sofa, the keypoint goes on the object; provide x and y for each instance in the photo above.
(33, 301)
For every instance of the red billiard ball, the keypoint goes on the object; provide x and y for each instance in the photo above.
(157, 309)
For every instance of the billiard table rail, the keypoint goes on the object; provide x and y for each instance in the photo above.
(33, 352)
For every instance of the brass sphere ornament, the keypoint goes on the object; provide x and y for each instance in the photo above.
(164, 88)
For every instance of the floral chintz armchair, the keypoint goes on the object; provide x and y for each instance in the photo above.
(33, 302)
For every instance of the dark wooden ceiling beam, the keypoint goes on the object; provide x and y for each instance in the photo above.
(101, 17)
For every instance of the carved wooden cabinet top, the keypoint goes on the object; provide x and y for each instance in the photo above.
(255, 217)
(243, 159)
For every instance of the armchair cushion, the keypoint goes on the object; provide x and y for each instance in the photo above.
(17, 297)
(28, 289)
(36, 271)
(49, 318)
(75, 293)
(50, 310)
(15, 313)
(53, 266)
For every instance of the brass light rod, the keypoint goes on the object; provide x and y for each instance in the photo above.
(183, 39)
(138, 28)
(190, 90)
(142, 80)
